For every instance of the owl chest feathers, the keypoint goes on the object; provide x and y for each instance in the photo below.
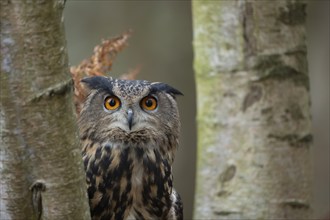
(125, 180)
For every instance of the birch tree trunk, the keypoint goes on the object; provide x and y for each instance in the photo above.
(254, 123)
(41, 169)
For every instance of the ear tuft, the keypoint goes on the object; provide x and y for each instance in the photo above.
(98, 83)
(163, 87)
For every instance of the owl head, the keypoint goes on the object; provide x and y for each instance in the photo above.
(129, 111)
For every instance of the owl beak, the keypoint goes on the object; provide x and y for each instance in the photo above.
(130, 118)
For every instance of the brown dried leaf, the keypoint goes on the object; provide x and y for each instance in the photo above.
(98, 65)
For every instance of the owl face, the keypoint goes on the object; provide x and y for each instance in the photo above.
(129, 111)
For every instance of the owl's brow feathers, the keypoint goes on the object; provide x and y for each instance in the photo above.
(106, 84)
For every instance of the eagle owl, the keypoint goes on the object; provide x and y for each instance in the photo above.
(129, 134)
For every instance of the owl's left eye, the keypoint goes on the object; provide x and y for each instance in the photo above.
(149, 103)
(111, 103)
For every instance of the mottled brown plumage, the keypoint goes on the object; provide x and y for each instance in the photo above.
(129, 148)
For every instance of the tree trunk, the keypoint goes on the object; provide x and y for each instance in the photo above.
(254, 123)
(41, 168)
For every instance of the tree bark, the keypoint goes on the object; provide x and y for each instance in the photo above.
(41, 169)
(253, 103)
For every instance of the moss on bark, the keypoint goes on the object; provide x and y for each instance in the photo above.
(41, 168)
(253, 110)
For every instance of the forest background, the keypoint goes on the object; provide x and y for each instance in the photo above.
(162, 47)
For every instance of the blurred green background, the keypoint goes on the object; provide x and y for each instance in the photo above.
(162, 44)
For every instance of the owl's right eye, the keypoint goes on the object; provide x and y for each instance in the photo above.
(111, 103)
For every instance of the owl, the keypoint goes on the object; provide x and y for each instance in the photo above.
(129, 133)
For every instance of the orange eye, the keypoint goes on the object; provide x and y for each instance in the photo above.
(149, 103)
(111, 103)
